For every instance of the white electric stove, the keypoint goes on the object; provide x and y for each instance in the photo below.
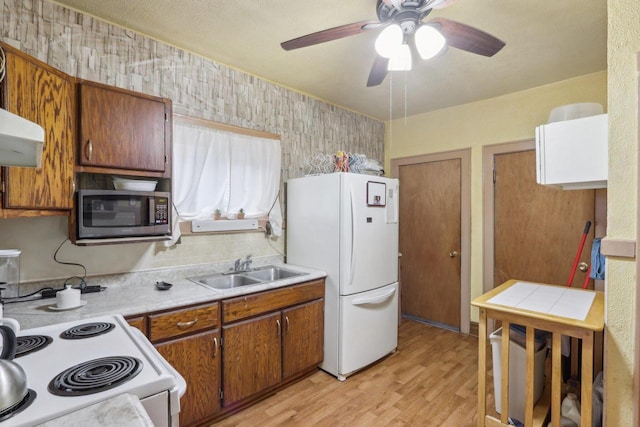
(80, 363)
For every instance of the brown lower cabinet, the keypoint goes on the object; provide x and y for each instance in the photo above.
(303, 337)
(238, 350)
(252, 357)
(197, 359)
(261, 352)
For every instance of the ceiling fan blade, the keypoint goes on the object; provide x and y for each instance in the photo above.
(440, 4)
(378, 71)
(328, 35)
(468, 38)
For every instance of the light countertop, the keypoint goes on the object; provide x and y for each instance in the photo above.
(136, 293)
(594, 313)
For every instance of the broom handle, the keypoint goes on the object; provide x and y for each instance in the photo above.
(586, 279)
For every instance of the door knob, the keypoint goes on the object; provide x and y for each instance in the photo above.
(453, 254)
(583, 266)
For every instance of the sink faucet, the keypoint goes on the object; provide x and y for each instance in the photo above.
(246, 264)
(240, 265)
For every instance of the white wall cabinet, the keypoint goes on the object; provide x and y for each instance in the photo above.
(573, 154)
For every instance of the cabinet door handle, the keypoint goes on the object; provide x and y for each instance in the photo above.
(186, 325)
(215, 347)
(89, 151)
(286, 324)
(278, 324)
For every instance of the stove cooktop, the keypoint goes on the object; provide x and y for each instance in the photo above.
(30, 343)
(87, 330)
(21, 406)
(94, 376)
(147, 375)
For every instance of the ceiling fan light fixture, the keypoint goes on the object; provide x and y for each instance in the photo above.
(429, 41)
(389, 40)
(401, 60)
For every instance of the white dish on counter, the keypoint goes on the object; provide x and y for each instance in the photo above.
(56, 308)
(134, 184)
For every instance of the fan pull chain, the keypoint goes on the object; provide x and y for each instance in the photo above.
(390, 110)
(405, 97)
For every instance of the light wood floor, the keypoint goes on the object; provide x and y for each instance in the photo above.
(430, 381)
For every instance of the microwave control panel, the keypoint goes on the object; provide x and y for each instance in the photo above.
(162, 210)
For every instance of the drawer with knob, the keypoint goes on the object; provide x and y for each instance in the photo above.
(182, 322)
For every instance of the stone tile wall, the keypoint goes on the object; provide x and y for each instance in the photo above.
(88, 48)
(91, 49)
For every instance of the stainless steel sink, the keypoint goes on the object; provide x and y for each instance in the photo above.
(272, 273)
(224, 281)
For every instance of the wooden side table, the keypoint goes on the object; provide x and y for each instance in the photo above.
(532, 320)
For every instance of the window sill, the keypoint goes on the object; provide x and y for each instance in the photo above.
(187, 227)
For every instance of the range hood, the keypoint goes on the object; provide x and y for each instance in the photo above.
(21, 141)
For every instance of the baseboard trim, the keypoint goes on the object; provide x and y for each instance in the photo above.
(431, 323)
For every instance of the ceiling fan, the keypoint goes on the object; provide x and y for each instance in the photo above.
(403, 31)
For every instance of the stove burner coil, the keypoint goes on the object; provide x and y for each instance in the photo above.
(95, 376)
(31, 343)
(19, 407)
(87, 330)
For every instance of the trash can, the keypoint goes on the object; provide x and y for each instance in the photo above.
(517, 370)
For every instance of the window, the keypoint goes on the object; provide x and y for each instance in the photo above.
(221, 167)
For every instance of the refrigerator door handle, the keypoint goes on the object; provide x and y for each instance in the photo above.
(352, 264)
(374, 299)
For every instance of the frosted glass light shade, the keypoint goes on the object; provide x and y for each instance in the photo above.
(429, 41)
(401, 60)
(388, 40)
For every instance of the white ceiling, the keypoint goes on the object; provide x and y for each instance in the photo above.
(546, 41)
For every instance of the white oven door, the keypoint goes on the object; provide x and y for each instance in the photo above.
(163, 408)
(157, 407)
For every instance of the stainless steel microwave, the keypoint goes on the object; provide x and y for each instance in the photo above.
(115, 213)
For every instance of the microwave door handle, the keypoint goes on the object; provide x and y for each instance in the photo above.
(152, 210)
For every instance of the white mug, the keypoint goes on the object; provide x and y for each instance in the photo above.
(68, 298)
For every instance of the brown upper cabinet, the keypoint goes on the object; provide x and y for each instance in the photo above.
(118, 132)
(121, 131)
(46, 96)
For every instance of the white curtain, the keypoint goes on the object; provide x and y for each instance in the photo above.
(214, 169)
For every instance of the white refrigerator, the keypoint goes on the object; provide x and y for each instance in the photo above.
(346, 224)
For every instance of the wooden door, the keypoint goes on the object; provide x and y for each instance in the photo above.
(252, 357)
(45, 96)
(537, 228)
(197, 359)
(430, 227)
(121, 129)
(303, 337)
